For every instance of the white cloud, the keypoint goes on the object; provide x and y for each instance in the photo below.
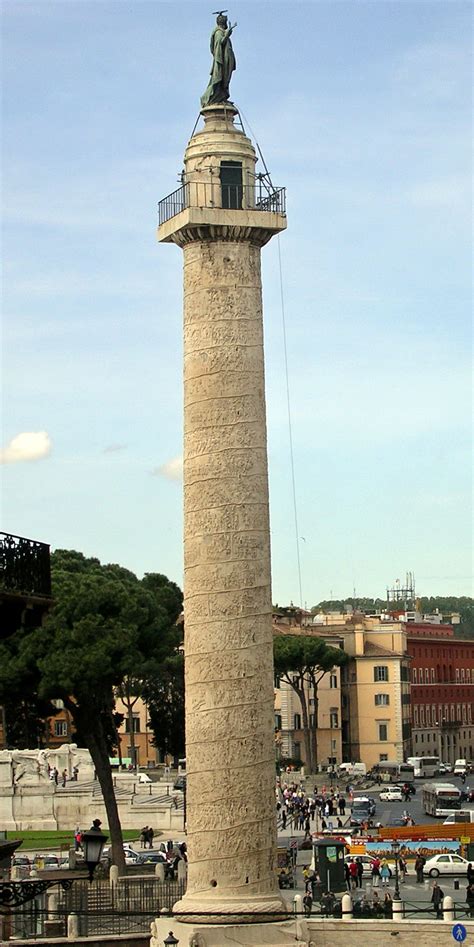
(171, 470)
(29, 445)
(113, 448)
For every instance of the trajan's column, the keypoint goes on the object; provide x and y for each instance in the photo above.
(221, 217)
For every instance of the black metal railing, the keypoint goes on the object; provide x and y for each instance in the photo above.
(24, 565)
(128, 907)
(257, 196)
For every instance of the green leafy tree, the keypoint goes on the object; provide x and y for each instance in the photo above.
(106, 627)
(302, 661)
(164, 696)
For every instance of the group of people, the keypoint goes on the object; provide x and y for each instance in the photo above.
(146, 837)
(298, 810)
(53, 774)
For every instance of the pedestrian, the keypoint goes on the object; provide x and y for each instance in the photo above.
(437, 900)
(144, 836)
(360, 872)
(96, 824)
(75, 773)
(470, 874)
(470, 898)
(375, 872)
(78, 839)
(342, 805)
(283, 819)
(307, 904)
(63, 777)
(402, 868)
(419, 865)
(55, 775)
(347, 876)
(354, 873)
(151, 836)
(339, 824)
(388, 905)
(385, 873)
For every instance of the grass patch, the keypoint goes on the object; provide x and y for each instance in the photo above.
(61, 838)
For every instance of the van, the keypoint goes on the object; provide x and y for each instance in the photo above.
(460, 767)
(352, 769)
(459, 815)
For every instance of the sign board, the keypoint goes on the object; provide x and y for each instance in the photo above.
(465, 840)
(293, 843)
(459, 933)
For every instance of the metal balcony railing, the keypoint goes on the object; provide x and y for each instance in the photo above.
(24, 566)
(256, 196)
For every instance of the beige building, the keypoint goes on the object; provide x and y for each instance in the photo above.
(376, 712)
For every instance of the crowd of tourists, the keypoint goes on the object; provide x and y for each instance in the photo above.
(310, 812)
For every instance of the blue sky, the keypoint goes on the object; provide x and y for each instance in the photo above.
(362, 111)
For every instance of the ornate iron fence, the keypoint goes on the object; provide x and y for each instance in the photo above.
(128, 907)
(24, 565)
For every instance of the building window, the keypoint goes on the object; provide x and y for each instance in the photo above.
(277, 681)
(60, 728)
(415, 716)
(312, 720)
(463, 675)
(333, 719)
(297, 722)
(456, 672)
(296, 681)
(297, 750)
(428, 716)
(422, 716)
(433, 675)
(381, 673)
(333, 680)
(382, 700)
(427, 676)
(277, 721)
(468, 675)
(135, 723)
(414, 675)
(383, 757)
(383, 732)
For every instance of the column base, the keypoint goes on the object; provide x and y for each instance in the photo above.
(257, 910)
(284, 934)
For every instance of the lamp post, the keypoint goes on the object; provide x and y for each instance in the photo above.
(396, 852)
(170, 941)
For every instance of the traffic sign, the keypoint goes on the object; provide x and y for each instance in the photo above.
(459, 933)
(293, 843)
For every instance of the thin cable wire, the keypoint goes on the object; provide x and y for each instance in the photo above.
(290, 431)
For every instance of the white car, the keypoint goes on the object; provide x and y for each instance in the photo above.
(392, 795)
(445, 865)
(131, 856)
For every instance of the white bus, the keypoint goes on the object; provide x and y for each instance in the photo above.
(393, 772)
(425, 766)
(439, 799)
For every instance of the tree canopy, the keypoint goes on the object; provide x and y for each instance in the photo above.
(302, 661)
(106, 627)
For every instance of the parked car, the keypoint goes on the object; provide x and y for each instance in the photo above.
(392, 794)
(180, 783)
(150, 857)
(46, 862)
(21, 861)
(130, 854)
(445, 865)
(445, 768)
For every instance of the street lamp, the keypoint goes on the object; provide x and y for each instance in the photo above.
(170, 941)
(396, 852)
(93, 842)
